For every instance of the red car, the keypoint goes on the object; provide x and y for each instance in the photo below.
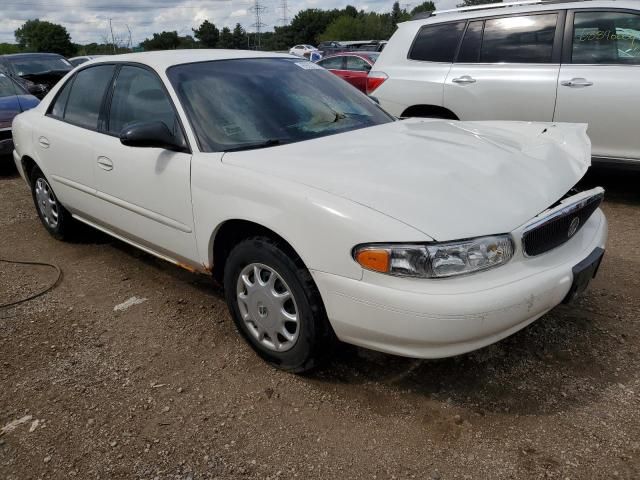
(351, 66)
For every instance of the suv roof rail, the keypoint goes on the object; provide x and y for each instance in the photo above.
(486, 6)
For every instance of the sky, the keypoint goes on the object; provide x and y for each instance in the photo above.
(87, 21)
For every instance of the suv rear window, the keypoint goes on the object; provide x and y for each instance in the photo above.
(437, 43)
(522, 39)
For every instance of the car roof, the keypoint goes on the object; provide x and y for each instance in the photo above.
(31, 55)
(362, 53)
(162, 59)
(512, 7)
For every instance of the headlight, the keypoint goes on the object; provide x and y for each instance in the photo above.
(436, 260)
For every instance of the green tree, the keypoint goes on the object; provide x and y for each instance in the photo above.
(6, 48)
(308, 25)
(473, 3)
(161, 41)
(238, 37)
(207, 34)
(344, 27)
(351, 11)
(226, 38)
(423, 7)
(41, 36)
(187, 42)
(396, 13)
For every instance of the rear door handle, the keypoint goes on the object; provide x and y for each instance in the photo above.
(105, 163)
(44, 142)
(576, 83)
(464, 79)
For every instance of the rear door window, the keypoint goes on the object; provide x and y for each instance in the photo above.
(333, 63)
(606, 38)
(437, 43)
(59, 104)
(472, 43)
(86, 95)
(357, 64)
(522, 39)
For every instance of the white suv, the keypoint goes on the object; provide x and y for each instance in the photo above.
(530, 60)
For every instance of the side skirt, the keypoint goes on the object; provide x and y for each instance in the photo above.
(182, 264)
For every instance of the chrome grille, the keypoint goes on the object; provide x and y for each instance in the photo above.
(556, 229)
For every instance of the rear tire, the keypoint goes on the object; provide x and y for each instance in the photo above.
(55, 218)
(276, 305)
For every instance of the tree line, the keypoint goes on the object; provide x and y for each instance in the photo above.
(309, 26)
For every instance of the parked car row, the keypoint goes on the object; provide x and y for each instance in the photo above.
(333, 47)
(75, 61)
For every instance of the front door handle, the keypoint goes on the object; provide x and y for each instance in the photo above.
(105, 163)
(464, 79)
(576, 83)
(44, 142)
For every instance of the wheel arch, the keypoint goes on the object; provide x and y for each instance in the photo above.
(27, 166)
(232, 231)
(433, 111)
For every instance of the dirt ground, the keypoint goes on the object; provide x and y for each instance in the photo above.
(167, 389)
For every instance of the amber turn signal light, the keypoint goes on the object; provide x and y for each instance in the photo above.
(374, 259)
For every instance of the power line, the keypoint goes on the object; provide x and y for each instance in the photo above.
(284, 8)
(258, 9)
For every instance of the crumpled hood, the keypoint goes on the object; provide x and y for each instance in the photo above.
(448, 179)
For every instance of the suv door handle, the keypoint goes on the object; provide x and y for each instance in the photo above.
(576, 82)
(105, 163)
(44, 142)
(464, 79)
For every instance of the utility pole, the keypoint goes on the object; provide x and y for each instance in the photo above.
(284, 17)
(129, 43)
(113, 39)
(258, 9)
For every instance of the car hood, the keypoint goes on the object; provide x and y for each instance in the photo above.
(448, 179)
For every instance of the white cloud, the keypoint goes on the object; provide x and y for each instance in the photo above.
(89, 22)
(239, 13)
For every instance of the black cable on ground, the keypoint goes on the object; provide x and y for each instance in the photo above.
(37, 294)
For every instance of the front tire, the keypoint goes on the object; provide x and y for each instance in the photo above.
(55, 218)
(276, 306)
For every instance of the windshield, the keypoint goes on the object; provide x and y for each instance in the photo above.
(38, 64)
(7, 88)
(262, 102)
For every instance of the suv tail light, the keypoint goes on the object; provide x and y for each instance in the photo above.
(374, 80)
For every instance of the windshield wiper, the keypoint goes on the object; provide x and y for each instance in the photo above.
(272, 142)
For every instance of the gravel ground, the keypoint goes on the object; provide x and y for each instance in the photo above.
(166, 389)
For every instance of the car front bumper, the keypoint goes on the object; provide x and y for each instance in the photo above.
(435, 318)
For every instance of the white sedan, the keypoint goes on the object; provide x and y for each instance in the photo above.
(303, 50)
(321, 215)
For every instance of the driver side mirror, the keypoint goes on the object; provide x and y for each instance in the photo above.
(154, 134)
